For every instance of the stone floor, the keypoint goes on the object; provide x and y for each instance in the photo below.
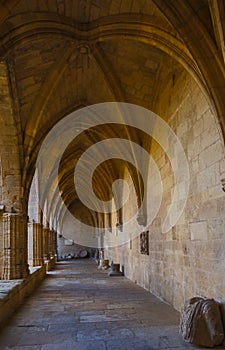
(79, 307)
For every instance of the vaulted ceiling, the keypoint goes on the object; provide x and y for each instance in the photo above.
(65, 54)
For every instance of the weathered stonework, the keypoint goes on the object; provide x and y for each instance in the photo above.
(189, 259)
(14, 246)
(35, 240)
(167, 56)
(46, 243)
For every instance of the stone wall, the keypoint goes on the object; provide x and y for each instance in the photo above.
(10, 183)
(189, 259)
(13, 293)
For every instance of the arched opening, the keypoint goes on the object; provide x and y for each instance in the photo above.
(144, 81)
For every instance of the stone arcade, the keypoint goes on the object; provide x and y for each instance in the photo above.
(166, 57)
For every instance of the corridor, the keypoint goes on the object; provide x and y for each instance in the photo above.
(79, 307)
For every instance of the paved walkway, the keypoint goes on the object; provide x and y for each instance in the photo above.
(79, 307)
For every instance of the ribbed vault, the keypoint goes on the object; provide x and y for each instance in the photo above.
(64, 55)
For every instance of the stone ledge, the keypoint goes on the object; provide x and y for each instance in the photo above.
(12, 293)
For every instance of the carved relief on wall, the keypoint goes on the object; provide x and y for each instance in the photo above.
(144, 243)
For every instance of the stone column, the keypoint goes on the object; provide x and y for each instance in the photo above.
(15, 250)
(51, 243)
(46, 243)
(109, 222)
(35, 244)
(1, 242)
(55, 244)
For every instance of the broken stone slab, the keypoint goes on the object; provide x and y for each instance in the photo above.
(201, 322)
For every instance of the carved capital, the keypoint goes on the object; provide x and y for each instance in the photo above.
(142, 219)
